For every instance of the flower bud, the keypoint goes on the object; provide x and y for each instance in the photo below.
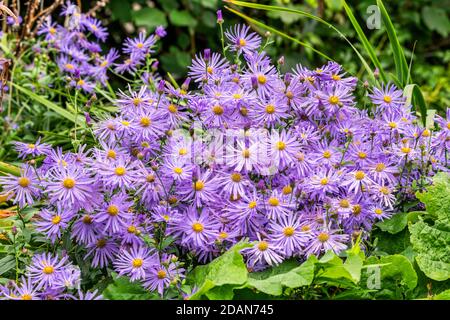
(219, 17)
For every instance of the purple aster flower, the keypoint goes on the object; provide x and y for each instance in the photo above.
(24, 188)
(263, 253)
(326, 239)
(118, 174)
(104, 250)
(388, 97)
(288, 235)
(86, 229)
(115, 213)
(202, 70)
(49, 29)
(160, 32)
(25, 290)
(45, 269)
(95, 27)
(31, 149)
(53, 223)
(134, 262)
(140, 45)
(159, 277)
(242, 40)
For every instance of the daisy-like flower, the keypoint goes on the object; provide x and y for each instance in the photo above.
(70, 186)
(31, 149)
(379, 213)
(324, 182)
(357, 181)
(49, 29)
(263, 253)
(243, 157)
(45, 269)
(177, 169)
(203, 190)
(86, 229)
(161, 274)
(384, 195)
(382, 170)
(24, 188)
(405, 150)
(53, 223)
(130, 64)
(326, 239)
(207, 66)
(287, 234)
(104, 250)
(269, 112)
(25, 290)
(334, 98)
(261, 75)
(196, 230)
(148, 125)
(283, 148)
(387, 97)
(242, 40)
(140, 45)
(277, 205)
(118, 174)
(134, 262)
(115, 213)
(233, 184)
(135, 100)
(95, 27)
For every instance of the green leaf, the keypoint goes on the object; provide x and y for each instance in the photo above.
(47, 103)
(169, 5)
(364, 41)
(395, 224)
(228, 269)
(7, 263)
(354, 262)
(123, 289)
(288, 274)
(437, 196)
(444, 295)
(182, 19)
(415, 98)
(436, 19)
(9, 168)
(399, 270)
(401, 66)
(149, 18)
(121, 10)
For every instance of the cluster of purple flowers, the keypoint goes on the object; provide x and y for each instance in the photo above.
(290, 162)
(79, 52)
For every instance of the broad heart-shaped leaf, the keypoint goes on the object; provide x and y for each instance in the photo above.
(228, 269)
(123, 289)
(433, 249)
(182, 19)
(395, 224)
(444, 295)
(288, 274)
(150, 18)
(437, 196)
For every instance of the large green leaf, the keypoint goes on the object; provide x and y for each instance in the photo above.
(437, 196)
(182, 19)
(395, 224)
(288, 274)
(436, 19)
(150, 18)
(228, 269)
(123, 289)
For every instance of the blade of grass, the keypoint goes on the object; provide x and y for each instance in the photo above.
(415, 97)
(9, 168)
(52, 106)
(364, 41)
(401, 66)
(301, 13)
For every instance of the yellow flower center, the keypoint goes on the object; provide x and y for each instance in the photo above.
(252, 204)
(323, 237)
(150, 178)
(125, 123)
(166, 217)
(380, 167)
(387, 99)
(52, 31)
(23, 182)
(223, 235)
(87, 219)
(182, 151)
(242, 42)
(31, 146)
(287, 190)
(140, 45)
(236, 177)
(48, 270)
(237, 96)
(344, 203)
(274, 201)
(362, 155)
(335, 77)
(406, 150)
(448, 125)
(378, 211)
(281, 145)
(69, 66)
(306, 228)
(145, 121)
(137, 263)
(333, 100)
(324, 181)
(288, 231)
(104, 63)
(289, 95)
(56, 219)
(426, 133)
(263, 246)
(359, 175)
(270, 109)
(136, 101)
(113, 210)
(300, 156)
(199, 185)
(69, 183)
(392, 125)
(26, 297)
(120, 171)
(262, 79)
(161, 274)
(172, 108)
(178, 170)
(131, 229)
(327, 154)
(209, 70)
(356, 209)
(217, 110)
(101, 243)
(243, 111)
(111, 154)
(246, 153)
(385, 190)
(80, 82)
(197, 227)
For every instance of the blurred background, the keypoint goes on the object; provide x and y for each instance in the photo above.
(422, 26)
